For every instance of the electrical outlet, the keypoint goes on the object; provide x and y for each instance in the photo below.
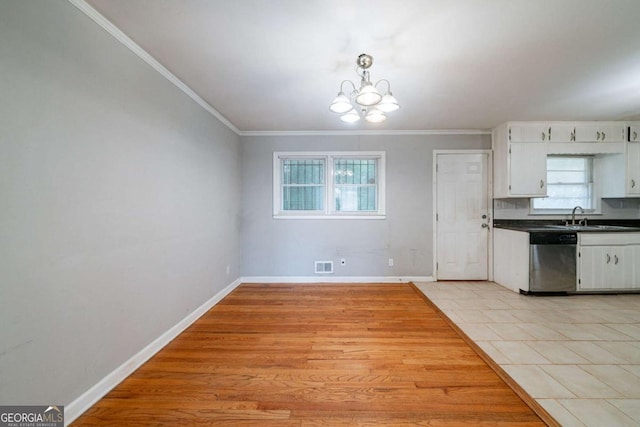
(390, 262)
(343, 261)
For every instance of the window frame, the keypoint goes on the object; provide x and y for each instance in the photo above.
(329, 211)
(595, 193)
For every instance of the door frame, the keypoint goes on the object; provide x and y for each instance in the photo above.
(434, 192)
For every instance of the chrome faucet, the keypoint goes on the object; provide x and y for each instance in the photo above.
(573, 214)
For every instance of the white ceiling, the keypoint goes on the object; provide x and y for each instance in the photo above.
(275, 65)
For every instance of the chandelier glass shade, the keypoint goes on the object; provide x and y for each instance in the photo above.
(366, 101)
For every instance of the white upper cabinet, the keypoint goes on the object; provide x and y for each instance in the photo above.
(633, 160)
(634, 132)
(563, 132)
(600, 132)
(520, 160)
(592, 132)
(528, 169)
(520, 150)
(529, 132)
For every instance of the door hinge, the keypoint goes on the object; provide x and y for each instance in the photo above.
(436, 217)
(509, 134)
(579, 281)
(579, 254)
(509, 150)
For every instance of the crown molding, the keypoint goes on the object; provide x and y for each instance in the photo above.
(146, 57)
(365, 132)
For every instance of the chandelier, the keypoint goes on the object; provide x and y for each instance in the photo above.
(367, 101)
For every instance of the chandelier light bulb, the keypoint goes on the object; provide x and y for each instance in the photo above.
(375, 116)
(341, 104)
(368, 95)
(350, 117)
(388, 103)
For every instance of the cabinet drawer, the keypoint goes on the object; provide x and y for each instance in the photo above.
(599, 239)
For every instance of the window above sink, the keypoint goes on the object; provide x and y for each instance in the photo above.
(570, 183)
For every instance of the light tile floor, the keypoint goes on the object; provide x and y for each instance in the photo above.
(578, 356)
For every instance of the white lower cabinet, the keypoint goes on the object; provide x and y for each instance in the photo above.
(608, 261)
(511, 259)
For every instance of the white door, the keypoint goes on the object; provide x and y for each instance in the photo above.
(462, 216)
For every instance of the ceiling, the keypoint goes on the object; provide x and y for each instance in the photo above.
(275, 65)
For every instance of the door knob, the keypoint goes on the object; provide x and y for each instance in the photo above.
(485, 225)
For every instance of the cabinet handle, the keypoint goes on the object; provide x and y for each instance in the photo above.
(573, 135)
(598, 136)
(541, 183)
(633, 183)
(543, 136)
(635, 135)
(603, 136)
(608, 258)
(615, 257)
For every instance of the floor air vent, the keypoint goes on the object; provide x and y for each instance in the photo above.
(324, 267)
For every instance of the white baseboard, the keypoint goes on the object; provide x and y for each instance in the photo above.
(95, 393)
(334, 279)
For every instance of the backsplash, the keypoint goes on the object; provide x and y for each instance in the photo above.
(611, 209)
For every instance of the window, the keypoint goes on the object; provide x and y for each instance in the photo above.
(303, 184)
(569, 184)
(329, 185)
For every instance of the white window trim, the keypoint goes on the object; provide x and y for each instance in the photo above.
(328, 212)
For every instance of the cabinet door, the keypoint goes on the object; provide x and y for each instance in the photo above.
(609, 267)
(600, 132)
(529, 132)
(587, 132)
(633, 168)
(528, 169)
(612, 132)
(632, 265)
(592, 274)
(565, 132)
(615, 268)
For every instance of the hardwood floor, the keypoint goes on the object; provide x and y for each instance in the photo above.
(315, 355)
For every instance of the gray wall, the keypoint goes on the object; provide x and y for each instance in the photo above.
(288, 247)
(119, 203)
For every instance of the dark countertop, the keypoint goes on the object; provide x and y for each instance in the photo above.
(555, 226)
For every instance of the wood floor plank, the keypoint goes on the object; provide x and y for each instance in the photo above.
(315, 355)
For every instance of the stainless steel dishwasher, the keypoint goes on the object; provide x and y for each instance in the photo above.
(552, 262)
